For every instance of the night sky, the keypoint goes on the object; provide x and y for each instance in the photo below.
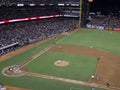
(105, 5)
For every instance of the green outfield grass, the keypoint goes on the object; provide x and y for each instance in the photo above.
(80, 67)
(105, 40)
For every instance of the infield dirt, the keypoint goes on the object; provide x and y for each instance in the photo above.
(107, 68)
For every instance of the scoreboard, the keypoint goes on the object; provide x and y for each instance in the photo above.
(90, 0)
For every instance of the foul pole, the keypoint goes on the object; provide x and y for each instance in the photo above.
(80, 14)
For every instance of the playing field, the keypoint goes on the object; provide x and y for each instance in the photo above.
(67, 63)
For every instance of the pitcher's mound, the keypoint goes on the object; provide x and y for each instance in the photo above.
(62, 63)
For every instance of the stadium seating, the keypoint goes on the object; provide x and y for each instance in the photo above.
(108, 22)
(17, 12)
(32, 31)
(8, 2)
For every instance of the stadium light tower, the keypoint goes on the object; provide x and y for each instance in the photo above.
(80, 14)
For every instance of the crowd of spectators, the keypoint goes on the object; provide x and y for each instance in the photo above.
(107, 22)
(8, 2)
(31, 31)
(23, 12)
(18, 34)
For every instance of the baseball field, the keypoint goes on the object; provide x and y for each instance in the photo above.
(65, 62)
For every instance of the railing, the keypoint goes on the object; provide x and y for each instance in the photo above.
(9, 46)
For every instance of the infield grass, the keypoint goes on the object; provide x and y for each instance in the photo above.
(79, 68)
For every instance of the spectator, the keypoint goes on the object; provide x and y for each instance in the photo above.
(32, 31)
(23, 12)
(108, 22)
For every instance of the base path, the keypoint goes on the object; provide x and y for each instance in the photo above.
(35, 56)
(107, 68)
(70, 81)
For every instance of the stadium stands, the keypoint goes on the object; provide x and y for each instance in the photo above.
(32, 31)
(10, 2)
(106, 22)
(19, 34)
(23, 12)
